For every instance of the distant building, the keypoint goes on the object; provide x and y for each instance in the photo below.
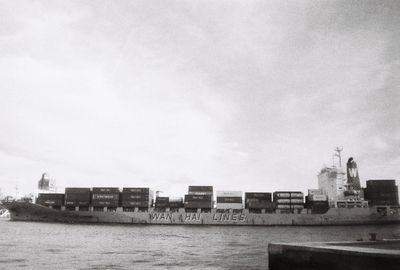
(382, 192)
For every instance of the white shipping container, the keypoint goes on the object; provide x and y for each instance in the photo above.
(225, 193)
(297, 195)
(296, 201)
(200, 193)
(283, 200)
(229, 206)
(175, 199)
(318, 198)
(297, 206)
(283, 195)
(314, 192)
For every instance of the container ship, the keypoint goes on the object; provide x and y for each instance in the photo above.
(337, 201)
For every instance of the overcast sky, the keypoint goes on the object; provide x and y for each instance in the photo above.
(241, 95)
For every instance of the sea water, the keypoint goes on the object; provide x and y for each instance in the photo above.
(30, 245)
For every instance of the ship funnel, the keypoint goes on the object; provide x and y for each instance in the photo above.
(353, 178)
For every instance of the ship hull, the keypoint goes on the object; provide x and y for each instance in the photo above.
(20, 211)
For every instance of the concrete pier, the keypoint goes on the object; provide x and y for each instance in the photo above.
(363, 255)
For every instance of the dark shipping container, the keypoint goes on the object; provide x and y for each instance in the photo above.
(135, 197)
(200, 188)
(76, 203)
(198, 198)
(102, 196)
(77, 190)
(254, 204)
(258, 195)
(162, 199)
(136, 190)
(198, 205)
(229, 199)
(176, 204)
(161, 205)
(105, 203)
(135, 204)
(107, 190)
(53, 199)
(77, 196)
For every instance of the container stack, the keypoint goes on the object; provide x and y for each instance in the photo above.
(289, 201)
(77, 197)
(257, 202)
(229, 200)
(105, 197)
(175, 204)
(382, 192)
(199, 197)
(53, 200)
(162, 203)
(317, 202)
(140, 198)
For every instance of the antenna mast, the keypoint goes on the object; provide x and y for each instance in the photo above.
(338, 151)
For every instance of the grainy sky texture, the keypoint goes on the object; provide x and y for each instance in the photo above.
(242, 95)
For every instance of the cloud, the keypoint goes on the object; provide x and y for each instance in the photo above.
(244, 95)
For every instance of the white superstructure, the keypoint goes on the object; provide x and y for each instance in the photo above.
(331, 183)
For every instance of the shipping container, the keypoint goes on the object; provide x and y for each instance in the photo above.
(77, 196)
(200, 188)
(100, 190)
(50, 199)
(162, 199)
(281, 195)
(316, 197)
(105, 203)
(258, 195)
(51, 196)
(255, 204)
(136, 190)
(225, 193)
(174, 204)
(314, 192)
(198, 198)
(283, 201)
(106, 196)
(135, 204)
(77, 190)
(77, 203)
(379, 183)
(197, 204)
(201, 193)
(50, 202)
(229, 199)
(229, 206)
(318, 203)
(296, 195)
(294, 201)
(176, 199)
(161, 204)
(381, 192)
(135, 197)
